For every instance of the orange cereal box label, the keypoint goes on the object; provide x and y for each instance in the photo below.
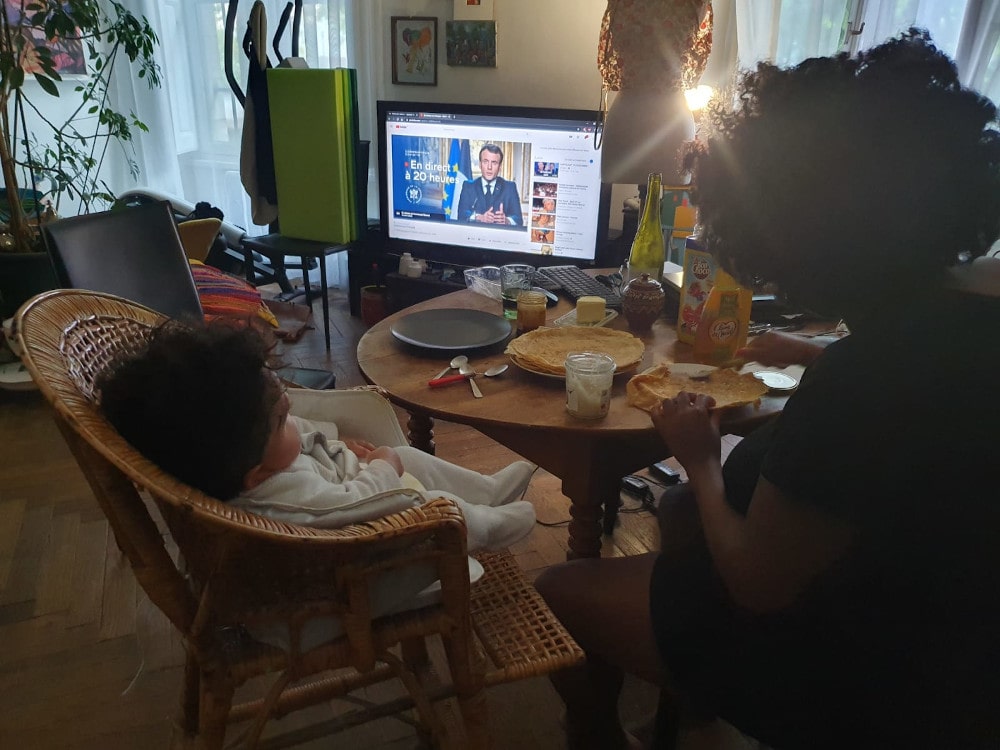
(699, 276)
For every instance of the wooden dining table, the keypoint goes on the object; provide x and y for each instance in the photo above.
(526, 412)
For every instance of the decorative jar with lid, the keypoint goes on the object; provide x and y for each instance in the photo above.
(642, 302)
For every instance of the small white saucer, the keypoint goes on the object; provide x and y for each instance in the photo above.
(777, 382)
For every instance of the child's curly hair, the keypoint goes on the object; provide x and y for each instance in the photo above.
(196, 401)
(845, 180)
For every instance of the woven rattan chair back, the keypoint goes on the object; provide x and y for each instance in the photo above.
(237, 571)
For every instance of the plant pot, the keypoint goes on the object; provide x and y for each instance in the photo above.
(22, 276)
(374, 306)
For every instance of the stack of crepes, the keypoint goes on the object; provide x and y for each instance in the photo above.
(544, 350)
(648, 389)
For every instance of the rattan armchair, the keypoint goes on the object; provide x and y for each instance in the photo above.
(218, 573)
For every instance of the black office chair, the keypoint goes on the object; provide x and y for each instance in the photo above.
(137, 254)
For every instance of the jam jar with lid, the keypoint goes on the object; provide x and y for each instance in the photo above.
(642, 302)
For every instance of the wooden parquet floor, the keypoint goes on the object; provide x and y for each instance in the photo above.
(86, 662)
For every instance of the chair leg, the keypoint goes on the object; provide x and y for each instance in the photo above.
(417, 660)
(475, 716)
(429, 719)
(467, 664)
(190, 697)
(326, 300)
(216, 701)
(414, 652)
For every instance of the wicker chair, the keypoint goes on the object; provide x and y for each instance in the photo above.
(241, 571)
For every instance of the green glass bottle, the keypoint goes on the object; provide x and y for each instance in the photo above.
(647, 254)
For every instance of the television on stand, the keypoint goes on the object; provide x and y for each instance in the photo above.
(474, 185)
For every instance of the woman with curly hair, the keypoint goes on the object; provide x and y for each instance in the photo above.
(839, 588)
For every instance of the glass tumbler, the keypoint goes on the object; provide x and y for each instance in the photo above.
(514, 279)
(589, 376)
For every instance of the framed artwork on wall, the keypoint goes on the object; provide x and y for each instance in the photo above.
(471, 43)
(68, 55)
(414, 50)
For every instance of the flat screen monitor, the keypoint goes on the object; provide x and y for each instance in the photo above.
(478, 184)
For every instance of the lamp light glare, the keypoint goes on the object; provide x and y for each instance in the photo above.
(698, 97)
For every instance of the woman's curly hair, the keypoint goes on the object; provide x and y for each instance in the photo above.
(845, 180)
(196, 401)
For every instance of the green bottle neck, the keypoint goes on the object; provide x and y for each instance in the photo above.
(649, 198)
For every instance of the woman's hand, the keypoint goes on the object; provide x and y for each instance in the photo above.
(777, 349)
(360, 448)
(690, 428)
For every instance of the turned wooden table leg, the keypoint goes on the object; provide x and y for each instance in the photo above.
(421, 432)
(584, 530)
(590, 490)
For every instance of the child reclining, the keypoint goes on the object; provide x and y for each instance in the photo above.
(200, 402)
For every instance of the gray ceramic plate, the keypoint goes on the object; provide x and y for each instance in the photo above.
(451, 329)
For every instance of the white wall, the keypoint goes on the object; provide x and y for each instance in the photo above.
(546, 57)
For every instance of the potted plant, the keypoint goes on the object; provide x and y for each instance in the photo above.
(44, 158)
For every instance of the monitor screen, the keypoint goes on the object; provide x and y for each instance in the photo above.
(476, 184)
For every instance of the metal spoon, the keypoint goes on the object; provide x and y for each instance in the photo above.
(469, 373)
(457, 362)
(495, 370)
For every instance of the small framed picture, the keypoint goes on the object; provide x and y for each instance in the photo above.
(473, 10)
(414, 50)
(471, 43)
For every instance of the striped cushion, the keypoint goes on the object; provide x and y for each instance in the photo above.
(223, 295)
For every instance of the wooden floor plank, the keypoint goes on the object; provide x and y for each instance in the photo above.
(11, 517)
(29, 553)
(118, 610)
(55, 578)
(37, 637)
(88, 575)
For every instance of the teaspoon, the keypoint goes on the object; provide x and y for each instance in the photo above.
(470, 374)
(495, 370)
(457, 362)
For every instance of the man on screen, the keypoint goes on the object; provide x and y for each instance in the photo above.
(490, 199)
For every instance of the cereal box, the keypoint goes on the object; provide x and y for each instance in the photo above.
(699, 275)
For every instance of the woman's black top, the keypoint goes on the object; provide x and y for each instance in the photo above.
(896, 430)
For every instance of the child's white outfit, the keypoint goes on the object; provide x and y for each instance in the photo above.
(328, 487)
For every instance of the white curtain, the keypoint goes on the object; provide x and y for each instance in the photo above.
(978, 53)
(756, 31)
(789, 31)
(196, 121)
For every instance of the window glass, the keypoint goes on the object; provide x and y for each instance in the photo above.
(808, 28)
(887, 18)
(208, 131)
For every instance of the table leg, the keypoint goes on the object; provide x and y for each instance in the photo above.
(591, 467)
(584, 531)
(587, 492)
(421, 432)
(610, 516)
